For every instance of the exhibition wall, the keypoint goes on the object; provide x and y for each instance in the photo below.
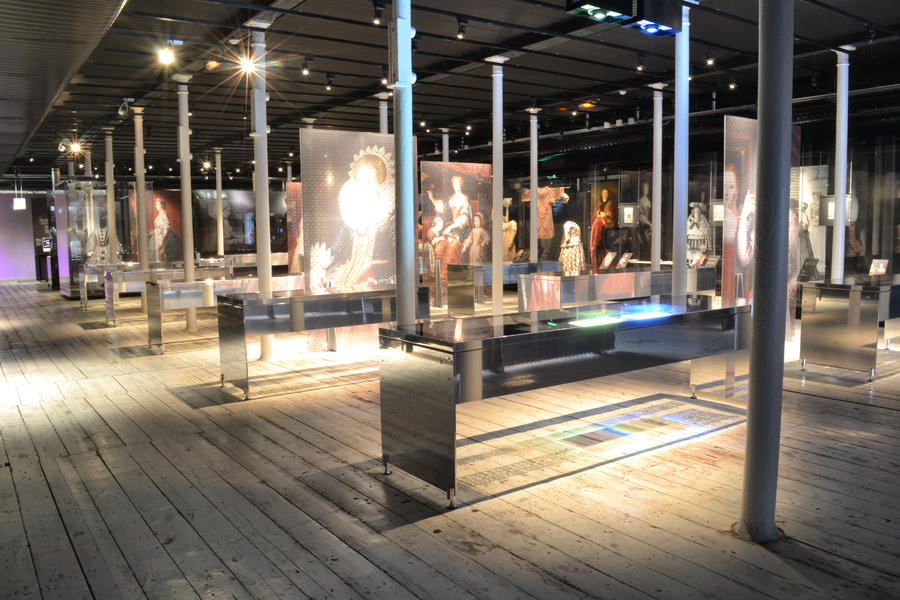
(16, 233)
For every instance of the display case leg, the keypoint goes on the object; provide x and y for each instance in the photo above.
(871, 374)
(331, 339)
(451, 496)
(387, 464)
(802, 364)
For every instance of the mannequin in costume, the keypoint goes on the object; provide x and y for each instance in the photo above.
(571, 253)
(597, 247)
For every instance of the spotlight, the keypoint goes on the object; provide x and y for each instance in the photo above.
(247, 65)
(124, 108)
(31, 159)
(384, 75)
(710, 56)
(461, 24)
(641, 59)
(237, 170)
(733, 83)
(305, 69)
(75, 148)
(280, 169)
(212, 65)
(166, 55)
(150, 167)
(206, 164)
(691, 73)
(378, 11)
(574, 113)
(329, 82)
(291, 154)
(468, 128)
(170, 169)
(421, 123)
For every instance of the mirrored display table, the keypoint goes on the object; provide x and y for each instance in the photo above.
(428, 368)
(246, 316)
(847, 325)
(168, 295)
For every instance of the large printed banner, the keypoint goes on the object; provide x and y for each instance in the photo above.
(347, 208)
(456, 213)
(740, 234)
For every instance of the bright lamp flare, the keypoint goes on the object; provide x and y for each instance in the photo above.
(75, 147)
(166, 56)
(206, 164)
(247, 65)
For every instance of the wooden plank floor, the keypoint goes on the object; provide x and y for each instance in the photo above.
(131, 475)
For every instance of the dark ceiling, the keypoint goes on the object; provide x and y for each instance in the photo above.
(556, 62)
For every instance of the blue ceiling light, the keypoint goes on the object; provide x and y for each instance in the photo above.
(651, 17)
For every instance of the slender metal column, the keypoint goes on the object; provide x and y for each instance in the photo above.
(289, 172)
(220, 219)
(680, 200)
(497, 201)
(383, 116)
(776, 46)
(842, 99)
(383, 98)
(445, 145)
(533, 185)
(140, 193)
(405, 161)
(187, 213)
(261, 176)
(89, 189)
(70, 167)
(656, 194)
(109, 175)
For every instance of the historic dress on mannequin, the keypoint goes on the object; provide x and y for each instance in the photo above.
(571, 253)
(510, 228)
(699, 233)
(645, 225)
(597, 247)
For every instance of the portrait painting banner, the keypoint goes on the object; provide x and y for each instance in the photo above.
(348, 208)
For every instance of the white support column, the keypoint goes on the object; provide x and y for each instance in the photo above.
(109, 175)
(140, 191)
(70, 167)
(656, 194)
(288, 172)
(89, 189)
(261, 174)
(220, 218)
(533, 185)
(680, 199)
(445, 144)
(383, 98)
(497, 198)
(187, 213)
(842, 99)
(405, 161)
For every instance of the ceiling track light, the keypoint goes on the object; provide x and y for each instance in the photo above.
(691, 73)
(710, 56)
(461, 25)
(329, 82)
(384, 75)
(641, 62)
(305, 69)
(378, 12)
(732, 85)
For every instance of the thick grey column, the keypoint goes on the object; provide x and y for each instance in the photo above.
(383, 112)
(109, 175)
(261, 177)
(405, 160)
(656, 193)
(70, 167)
(770, 269)
(497, 197)
(184, 166)
(680, 199)
(533, 185)
(445, 145)
(838, 239)
(140, 193)
(220, 218)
